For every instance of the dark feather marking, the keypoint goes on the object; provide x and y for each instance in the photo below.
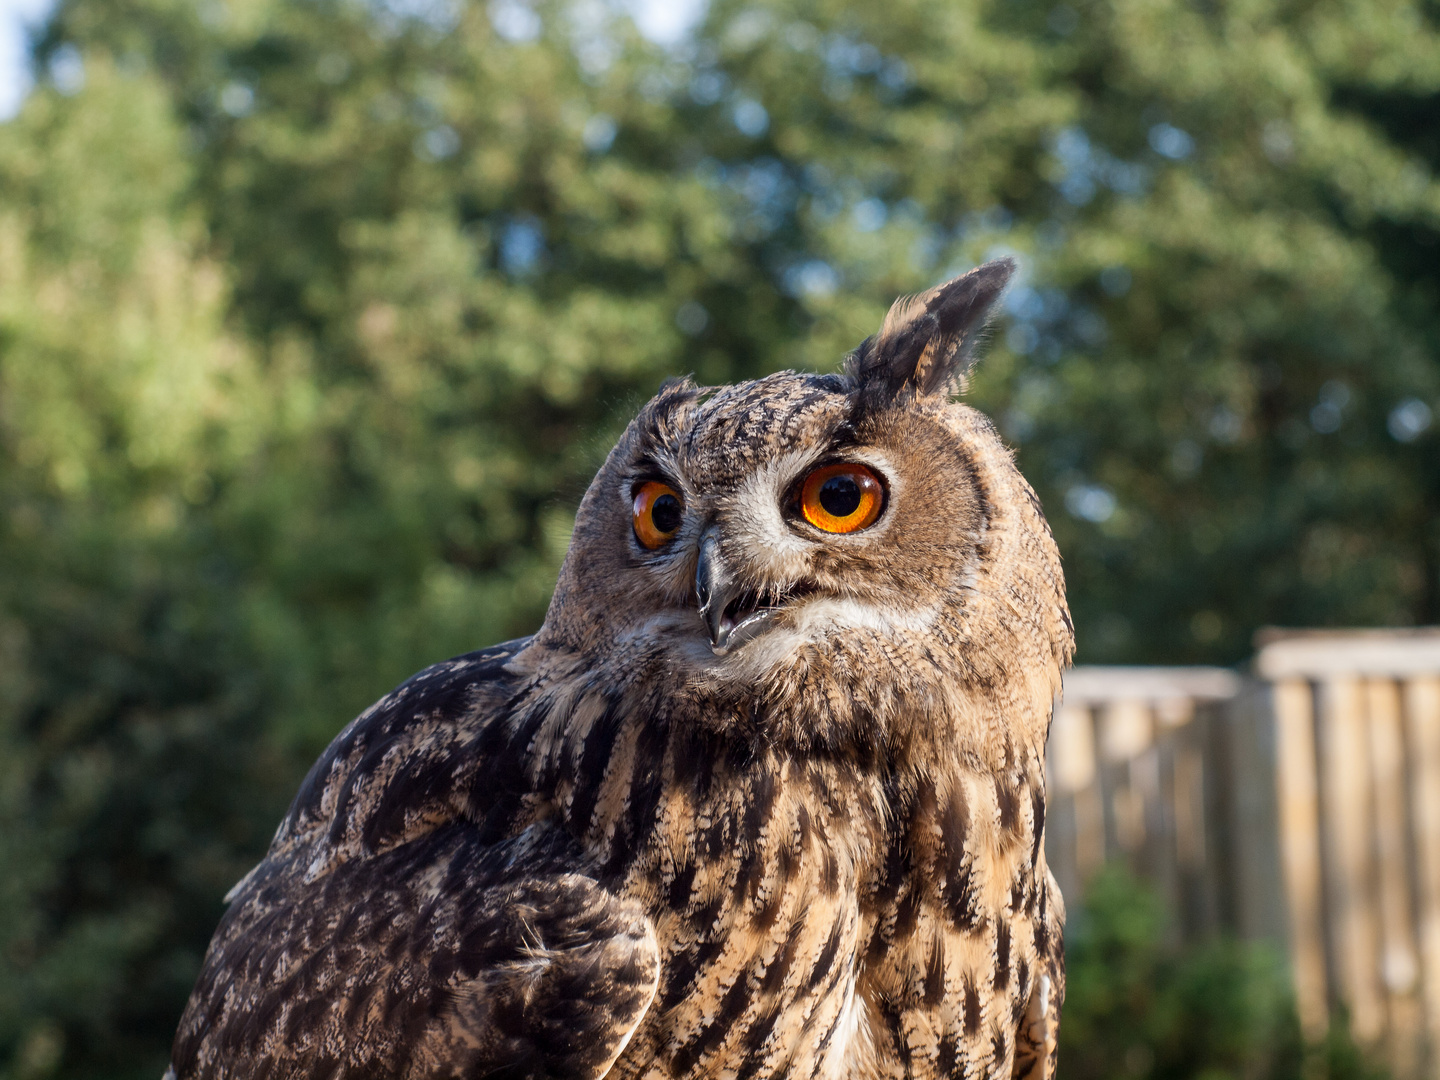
(761, 802)
(896, 870)
(426, 782)
(712, 1034)
(881, 939)
(947, 1054)
(751, 874)
(935, 972)
(787, 862)
(708, 915)
(927, 800)
(831, 880)
(998, 1043)
(1007, 799)
(594, 757)
(972, 1006)
(647, 784)
(963, 903)
(678, 895)
(312, 789)
(500, 744)
(907, 911)
(954, 828)
(757, 1034)
(770, 910)
(716, 839)
(527, 727)
(894, 1019)
(826, 959)
(1017, 894)
(359, 773)
(1037, 807)
(738, 753)
(1002, 954)
(774, 976)
(694, 762)
(838, 972)
(683, 968)
(263, 1017)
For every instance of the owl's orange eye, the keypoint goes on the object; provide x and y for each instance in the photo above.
(657, 513)
(841, 498)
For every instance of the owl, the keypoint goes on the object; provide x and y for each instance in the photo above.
(763, 797)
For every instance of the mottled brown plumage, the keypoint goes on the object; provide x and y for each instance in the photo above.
(764, 801)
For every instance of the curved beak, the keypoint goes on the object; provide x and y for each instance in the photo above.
(714, 589)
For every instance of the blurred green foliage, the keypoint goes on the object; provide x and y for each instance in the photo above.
(1138, 1007)
(316, 315)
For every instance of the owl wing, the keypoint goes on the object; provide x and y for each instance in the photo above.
(1037, 1042)
(397, 928)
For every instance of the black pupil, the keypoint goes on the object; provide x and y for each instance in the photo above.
(840, 496)
(665, 513)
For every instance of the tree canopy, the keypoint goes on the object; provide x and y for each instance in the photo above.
(316, 316)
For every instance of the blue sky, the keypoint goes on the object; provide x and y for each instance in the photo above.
(663, 21)
(15, 15)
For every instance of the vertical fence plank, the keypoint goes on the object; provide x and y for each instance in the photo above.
(1090, 851)
(1126, 731)
(1247, 809)
(1299, 814)
(1188, 796)
(1399, 963)
(1060, 842)
(1349, 869)
(1072, 748)
(1153, 856)
(1422, 722)
(1195, 870)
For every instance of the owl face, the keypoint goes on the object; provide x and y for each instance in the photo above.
(763, 518)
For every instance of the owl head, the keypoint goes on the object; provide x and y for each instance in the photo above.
(826, 557)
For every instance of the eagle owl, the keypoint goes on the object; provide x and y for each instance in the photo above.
(763, 797)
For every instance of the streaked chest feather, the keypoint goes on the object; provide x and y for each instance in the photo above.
(819, 918)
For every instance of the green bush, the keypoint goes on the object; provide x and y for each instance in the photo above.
(1137, 1007)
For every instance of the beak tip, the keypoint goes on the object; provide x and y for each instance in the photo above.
(715, 628)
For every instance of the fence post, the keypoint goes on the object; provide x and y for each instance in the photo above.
(1422, 721)
(1299, 808)
(1399, 966)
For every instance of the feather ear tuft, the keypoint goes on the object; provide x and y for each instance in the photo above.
(927, 342)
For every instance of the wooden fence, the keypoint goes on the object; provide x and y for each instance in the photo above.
(1298, 802)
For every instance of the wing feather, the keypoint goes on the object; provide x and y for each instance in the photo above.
(390, 932)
